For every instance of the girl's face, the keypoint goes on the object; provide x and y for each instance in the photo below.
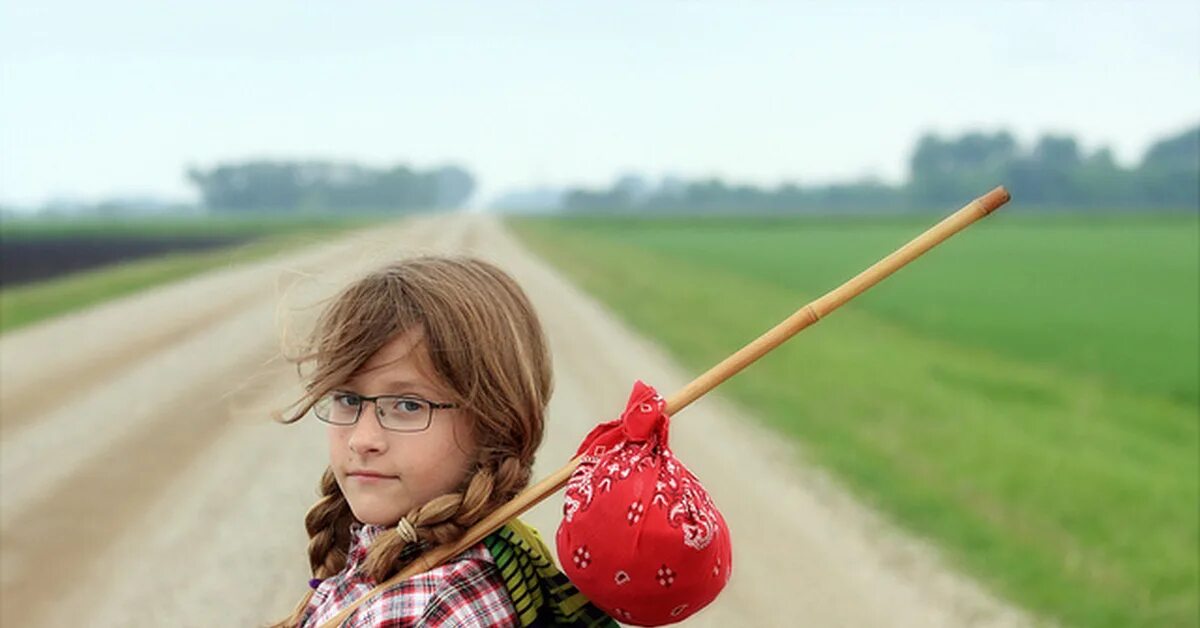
(417, 466)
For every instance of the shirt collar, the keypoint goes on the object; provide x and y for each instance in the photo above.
(361, 537)
(364, 533)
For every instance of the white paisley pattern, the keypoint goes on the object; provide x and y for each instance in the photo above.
(676, 491)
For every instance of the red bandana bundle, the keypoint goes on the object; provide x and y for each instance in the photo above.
(640, 536)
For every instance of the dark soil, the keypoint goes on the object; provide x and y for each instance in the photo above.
(29, 260)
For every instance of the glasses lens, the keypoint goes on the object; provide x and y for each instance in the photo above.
(404, 414)
(338, 407)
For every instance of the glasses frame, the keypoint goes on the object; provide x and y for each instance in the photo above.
(363, 399)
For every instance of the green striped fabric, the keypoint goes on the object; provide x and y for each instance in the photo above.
(542, 595)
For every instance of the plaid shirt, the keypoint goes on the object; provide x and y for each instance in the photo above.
(466, 591)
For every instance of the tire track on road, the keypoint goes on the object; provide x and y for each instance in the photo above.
(57, 537)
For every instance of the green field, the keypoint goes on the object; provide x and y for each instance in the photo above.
(28, 303)
(1025, 394)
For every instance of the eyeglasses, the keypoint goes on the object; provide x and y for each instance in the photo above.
(398, 413)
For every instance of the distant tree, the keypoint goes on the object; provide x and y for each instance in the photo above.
(1099, 181)
(252, 185)
(325, 185)
(610, 200)
(943, 171)
(454, 186)
(1179, 152)
(1170, 170)
(633, 186)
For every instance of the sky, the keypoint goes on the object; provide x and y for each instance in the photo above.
(118, 98)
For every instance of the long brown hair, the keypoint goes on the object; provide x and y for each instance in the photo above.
(484, 344)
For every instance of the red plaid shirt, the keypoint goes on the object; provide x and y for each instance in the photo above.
(466, 591)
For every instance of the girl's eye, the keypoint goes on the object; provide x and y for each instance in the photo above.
(346, 400)
(408, 405)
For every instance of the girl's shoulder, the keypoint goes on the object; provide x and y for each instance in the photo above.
(465, 591)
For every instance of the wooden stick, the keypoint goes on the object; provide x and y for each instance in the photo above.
(727, 368)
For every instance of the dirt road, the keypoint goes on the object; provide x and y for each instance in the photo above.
(142, 482)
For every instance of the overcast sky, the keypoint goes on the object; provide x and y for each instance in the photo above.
(118, 97)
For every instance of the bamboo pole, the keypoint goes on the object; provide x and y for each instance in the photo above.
(730, 366)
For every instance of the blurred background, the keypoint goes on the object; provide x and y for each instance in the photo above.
(1025, 398)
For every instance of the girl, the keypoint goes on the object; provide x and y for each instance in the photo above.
(433, 374)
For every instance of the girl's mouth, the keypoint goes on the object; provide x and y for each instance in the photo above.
(371, 477)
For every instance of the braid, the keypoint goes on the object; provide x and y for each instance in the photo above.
(328, 524)
(444, 519)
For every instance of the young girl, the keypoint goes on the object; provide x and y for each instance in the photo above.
(433, 374)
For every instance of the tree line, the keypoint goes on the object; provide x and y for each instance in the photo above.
(291, 186)
(1053, 172)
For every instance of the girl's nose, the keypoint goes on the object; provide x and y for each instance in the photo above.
(367, 435)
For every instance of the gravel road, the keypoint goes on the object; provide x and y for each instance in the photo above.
(142, 482)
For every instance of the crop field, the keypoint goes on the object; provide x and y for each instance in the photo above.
(42, 248)
(52, 266)
(1026, 394)
(38, 259)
